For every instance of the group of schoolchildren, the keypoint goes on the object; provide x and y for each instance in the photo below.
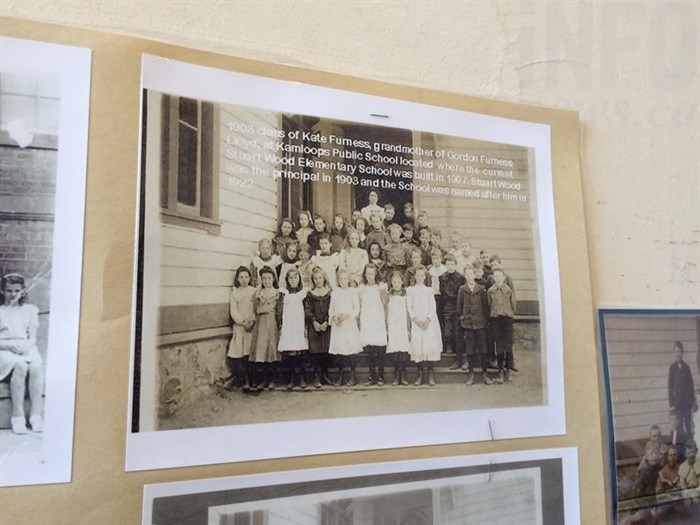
(670, 464)
(318, 295)
(667, 465)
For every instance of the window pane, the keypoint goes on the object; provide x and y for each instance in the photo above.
(242, 518)
(166, 144)
(18, 83)
(47, 116)
(207, 191)
(189, 112)
(187, 166)
(18, 107)
(49, 85)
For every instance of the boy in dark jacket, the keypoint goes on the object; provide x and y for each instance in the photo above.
(450, 283)
(473, 308)
(681, 390)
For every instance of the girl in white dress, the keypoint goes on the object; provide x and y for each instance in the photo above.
(293, 344)
(353, 259)
(304, 226)
(243, 317)
(290, 259)
(327, 260)
(373, 323)
(377, 256)
(345, 335)
(265, 258)
(305, 265)
(398, 326)
(19, 354)
(361, 227)
(426, 338)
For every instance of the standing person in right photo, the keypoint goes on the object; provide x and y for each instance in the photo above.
(681, 390)
(503, 307)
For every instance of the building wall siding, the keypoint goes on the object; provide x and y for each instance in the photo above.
(501, 227)
(198, 268)
(640, 351)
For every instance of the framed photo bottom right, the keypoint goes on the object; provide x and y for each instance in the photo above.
(651, 368)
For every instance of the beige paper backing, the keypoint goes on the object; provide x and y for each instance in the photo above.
(101, 492)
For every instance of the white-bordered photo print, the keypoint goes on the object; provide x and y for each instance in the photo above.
(347, 271)
(44, 104)
(536, 487)
(651, 366)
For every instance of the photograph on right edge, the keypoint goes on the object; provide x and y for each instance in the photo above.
(651, 366)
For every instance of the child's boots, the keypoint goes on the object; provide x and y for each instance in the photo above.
(402, 376)
(431, 377)
(352, 381)
(419, 379)
(371, 379)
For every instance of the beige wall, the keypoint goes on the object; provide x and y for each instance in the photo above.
(630, 69)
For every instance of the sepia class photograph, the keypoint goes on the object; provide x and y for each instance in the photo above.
(350, 293)
(299, 268)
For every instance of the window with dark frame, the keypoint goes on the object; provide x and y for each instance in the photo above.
(257, 517)
(189, 179)
(29, 103)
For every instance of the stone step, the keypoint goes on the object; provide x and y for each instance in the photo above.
(446, 360)
(442, 375)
